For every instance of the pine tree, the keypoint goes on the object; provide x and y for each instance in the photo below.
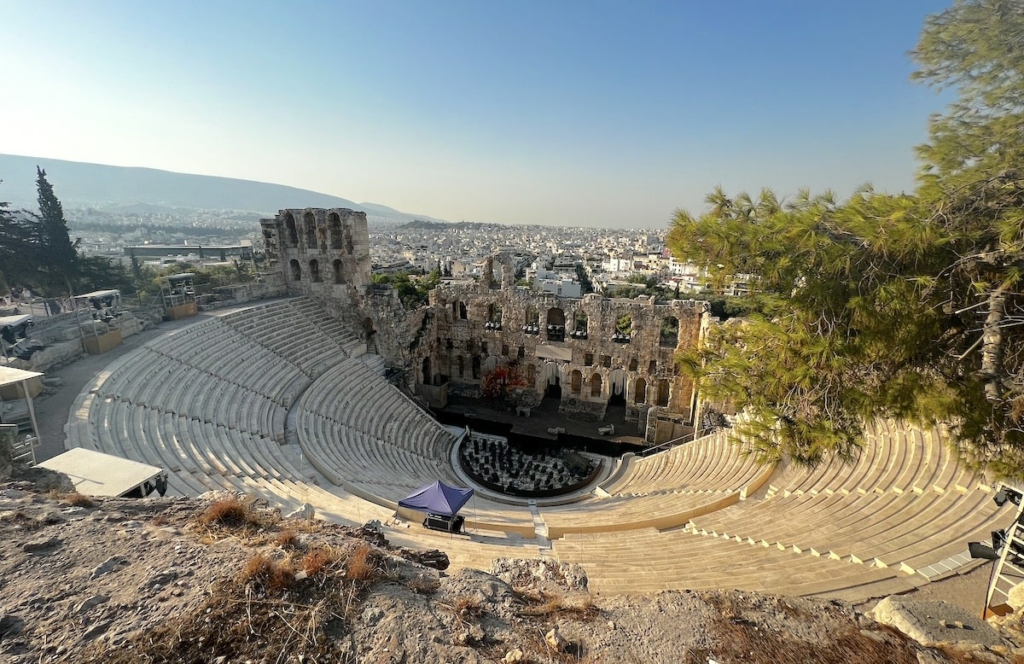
(59, 253)
(904, 306)
(18, 251)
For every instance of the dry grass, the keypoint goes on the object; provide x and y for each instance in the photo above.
(579, 607)
(272, 605)
(159, 520)
(78, 500)
(318, 560)
(361, 564)
(468, 606)
(287, 539)
(267, 574)
(233, 514)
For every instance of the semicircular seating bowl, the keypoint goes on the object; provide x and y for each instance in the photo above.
(210, 403)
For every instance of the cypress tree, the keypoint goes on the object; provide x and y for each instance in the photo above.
(59, 254)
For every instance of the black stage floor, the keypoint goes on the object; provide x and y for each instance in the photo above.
(542, 418)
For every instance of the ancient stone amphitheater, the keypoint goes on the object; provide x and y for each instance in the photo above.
(280, 401)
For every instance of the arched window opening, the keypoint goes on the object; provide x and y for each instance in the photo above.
(530, 322)
(462, 311)
(595, 385)
(669, 337)
(293, 234)
(334, 226)
(576, 381)
(633, 364)
(462, 366)
(623, 329)
(476, 368)
(309, 222)
(555, 324)
(426, 371)
(531, 375)
(339, 275)
(493, 317)
(314, 270)
(640, 391)
(580, 323)
(296, 270)
(663, 389)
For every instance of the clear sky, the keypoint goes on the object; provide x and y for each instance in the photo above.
(585, 113)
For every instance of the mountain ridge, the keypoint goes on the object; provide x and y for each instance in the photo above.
(85, 184)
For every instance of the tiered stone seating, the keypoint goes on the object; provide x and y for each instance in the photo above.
(297, 333)
(708, 463)
(209, 402)
(665, 490)
(368, 437)
(651, 561)
(905, 503)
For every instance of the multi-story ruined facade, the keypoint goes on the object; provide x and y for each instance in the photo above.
(590, 352)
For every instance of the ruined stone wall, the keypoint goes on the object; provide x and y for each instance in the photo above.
(635, 367)
(325, 254)
(319, 252)
(594, 350)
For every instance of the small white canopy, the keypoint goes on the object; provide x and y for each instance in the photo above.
(13, 321)
(98, 474)
(12, 376)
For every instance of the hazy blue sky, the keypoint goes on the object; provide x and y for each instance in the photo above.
(583, 113)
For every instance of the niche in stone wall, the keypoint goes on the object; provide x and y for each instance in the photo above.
(595, 385)
(623, 329)
(580, 323)
(576, 381)
(309, 223)
(640, 391)
(339, 275)
(669, 335)
(334, 226)
(291, 231)
(493, 317)
(663, 391)
(295, 269)
(555, 324)
(314, 270)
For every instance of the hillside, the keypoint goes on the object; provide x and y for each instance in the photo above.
(115, 188)
(190, 580)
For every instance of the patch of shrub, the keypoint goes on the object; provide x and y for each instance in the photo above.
(79, 500)
(268, 574)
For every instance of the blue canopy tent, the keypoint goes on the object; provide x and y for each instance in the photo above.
(437, 498)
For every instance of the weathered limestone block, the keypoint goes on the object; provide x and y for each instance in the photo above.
(930, 623)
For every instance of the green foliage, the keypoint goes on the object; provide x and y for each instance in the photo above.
(412, 293)
(58, 254)
(99, 272)
(624, 325)
(903, 306)
(18, 249)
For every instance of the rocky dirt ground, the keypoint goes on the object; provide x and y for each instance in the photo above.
(224, 579)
